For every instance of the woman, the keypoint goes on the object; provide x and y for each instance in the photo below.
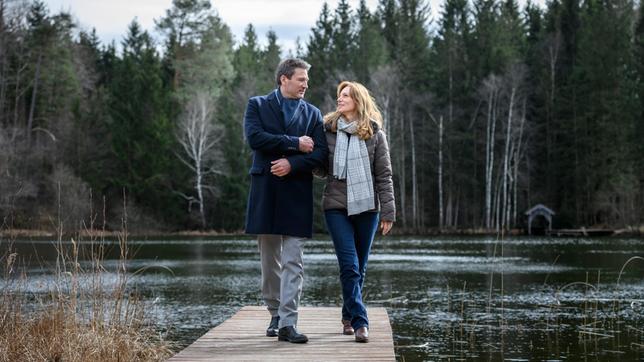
(358, 185)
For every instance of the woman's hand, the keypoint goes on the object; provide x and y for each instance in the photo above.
(386, 226)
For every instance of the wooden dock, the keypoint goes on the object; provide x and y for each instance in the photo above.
(242, 338)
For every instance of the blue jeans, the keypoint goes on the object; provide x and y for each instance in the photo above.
(352, 238)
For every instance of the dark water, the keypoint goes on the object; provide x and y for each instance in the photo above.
(448, 298)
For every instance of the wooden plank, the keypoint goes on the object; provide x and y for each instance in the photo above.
(242, 338)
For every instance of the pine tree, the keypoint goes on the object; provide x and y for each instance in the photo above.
(388, 14)
(183, 26)
(566, 156)
(484, 39)
(639, 66)
(607, 112)
(511, 34)
(247, 57)
(270, 58)
(319, 55)
(541, 49)
(141, 132)
(342, 39)
(371, 51)
(452, 87)
(413, 53)
(41, 32)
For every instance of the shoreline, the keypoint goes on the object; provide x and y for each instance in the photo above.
(12, 234)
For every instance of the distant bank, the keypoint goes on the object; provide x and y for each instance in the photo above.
(10, 234)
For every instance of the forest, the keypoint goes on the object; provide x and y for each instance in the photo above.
(490, 108)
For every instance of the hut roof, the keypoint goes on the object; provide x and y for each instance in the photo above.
(540, 208)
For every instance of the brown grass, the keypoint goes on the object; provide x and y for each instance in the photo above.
(57, 335)
(89, 314)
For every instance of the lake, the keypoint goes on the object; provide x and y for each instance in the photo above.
(515, 298)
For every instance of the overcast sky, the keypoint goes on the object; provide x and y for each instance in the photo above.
(288, 18)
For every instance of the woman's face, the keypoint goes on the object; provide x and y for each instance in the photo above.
(346, 104)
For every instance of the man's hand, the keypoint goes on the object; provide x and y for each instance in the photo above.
(386, 226)
(306, 144)
(281, 167)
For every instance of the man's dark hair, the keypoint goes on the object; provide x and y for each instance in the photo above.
(287, 67)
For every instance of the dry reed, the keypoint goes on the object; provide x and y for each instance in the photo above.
(88, 313)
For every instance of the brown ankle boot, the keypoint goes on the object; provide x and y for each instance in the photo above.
(362, 335)
(346, 327)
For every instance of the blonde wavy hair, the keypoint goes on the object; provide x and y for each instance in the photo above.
(366, 110)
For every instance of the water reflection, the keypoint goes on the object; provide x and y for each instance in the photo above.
(448, 298)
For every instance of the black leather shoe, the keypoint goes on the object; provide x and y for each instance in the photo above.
(272, 329)
(289, 334)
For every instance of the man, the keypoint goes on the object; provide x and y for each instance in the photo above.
(287, 138)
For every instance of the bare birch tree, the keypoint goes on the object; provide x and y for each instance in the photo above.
(509, 100)
(506, 155)
(385, 83)
(518, 156)
(491, 89)
(414, 174)
(198, 136)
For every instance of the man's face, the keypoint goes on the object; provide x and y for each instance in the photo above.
(295, 87)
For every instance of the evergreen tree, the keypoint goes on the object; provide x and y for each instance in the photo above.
(565, 156)
(342, 39)
(183, 26)
(41, 32)
(639, 66)
(484, 39)
(299, 49)
(452, 86)
(413, 53)
(371, 52)
(606, 113)
(388, 14)
(270, 58)
(540, 50)
(319, 55)
(141, 132)
(511, 34)
(247, 56)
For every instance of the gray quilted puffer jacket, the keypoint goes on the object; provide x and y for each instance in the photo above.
(335, 191)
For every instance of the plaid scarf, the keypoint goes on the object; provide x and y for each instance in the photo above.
(351, 162)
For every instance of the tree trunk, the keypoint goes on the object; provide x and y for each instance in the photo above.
(440, 174)
(488, 186)
(32, 107)
(17, 97)
(199, 188)
(489, 155)
(403, 174)
(414, 176)
(506, 158)
(197, 137)
(456, 208)
(497, 204)
(553, 59)
(517, 159)
(3, 66)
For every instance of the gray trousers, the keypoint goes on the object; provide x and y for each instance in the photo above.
(282, 275)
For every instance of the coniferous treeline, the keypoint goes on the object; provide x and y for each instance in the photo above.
(490, 108)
